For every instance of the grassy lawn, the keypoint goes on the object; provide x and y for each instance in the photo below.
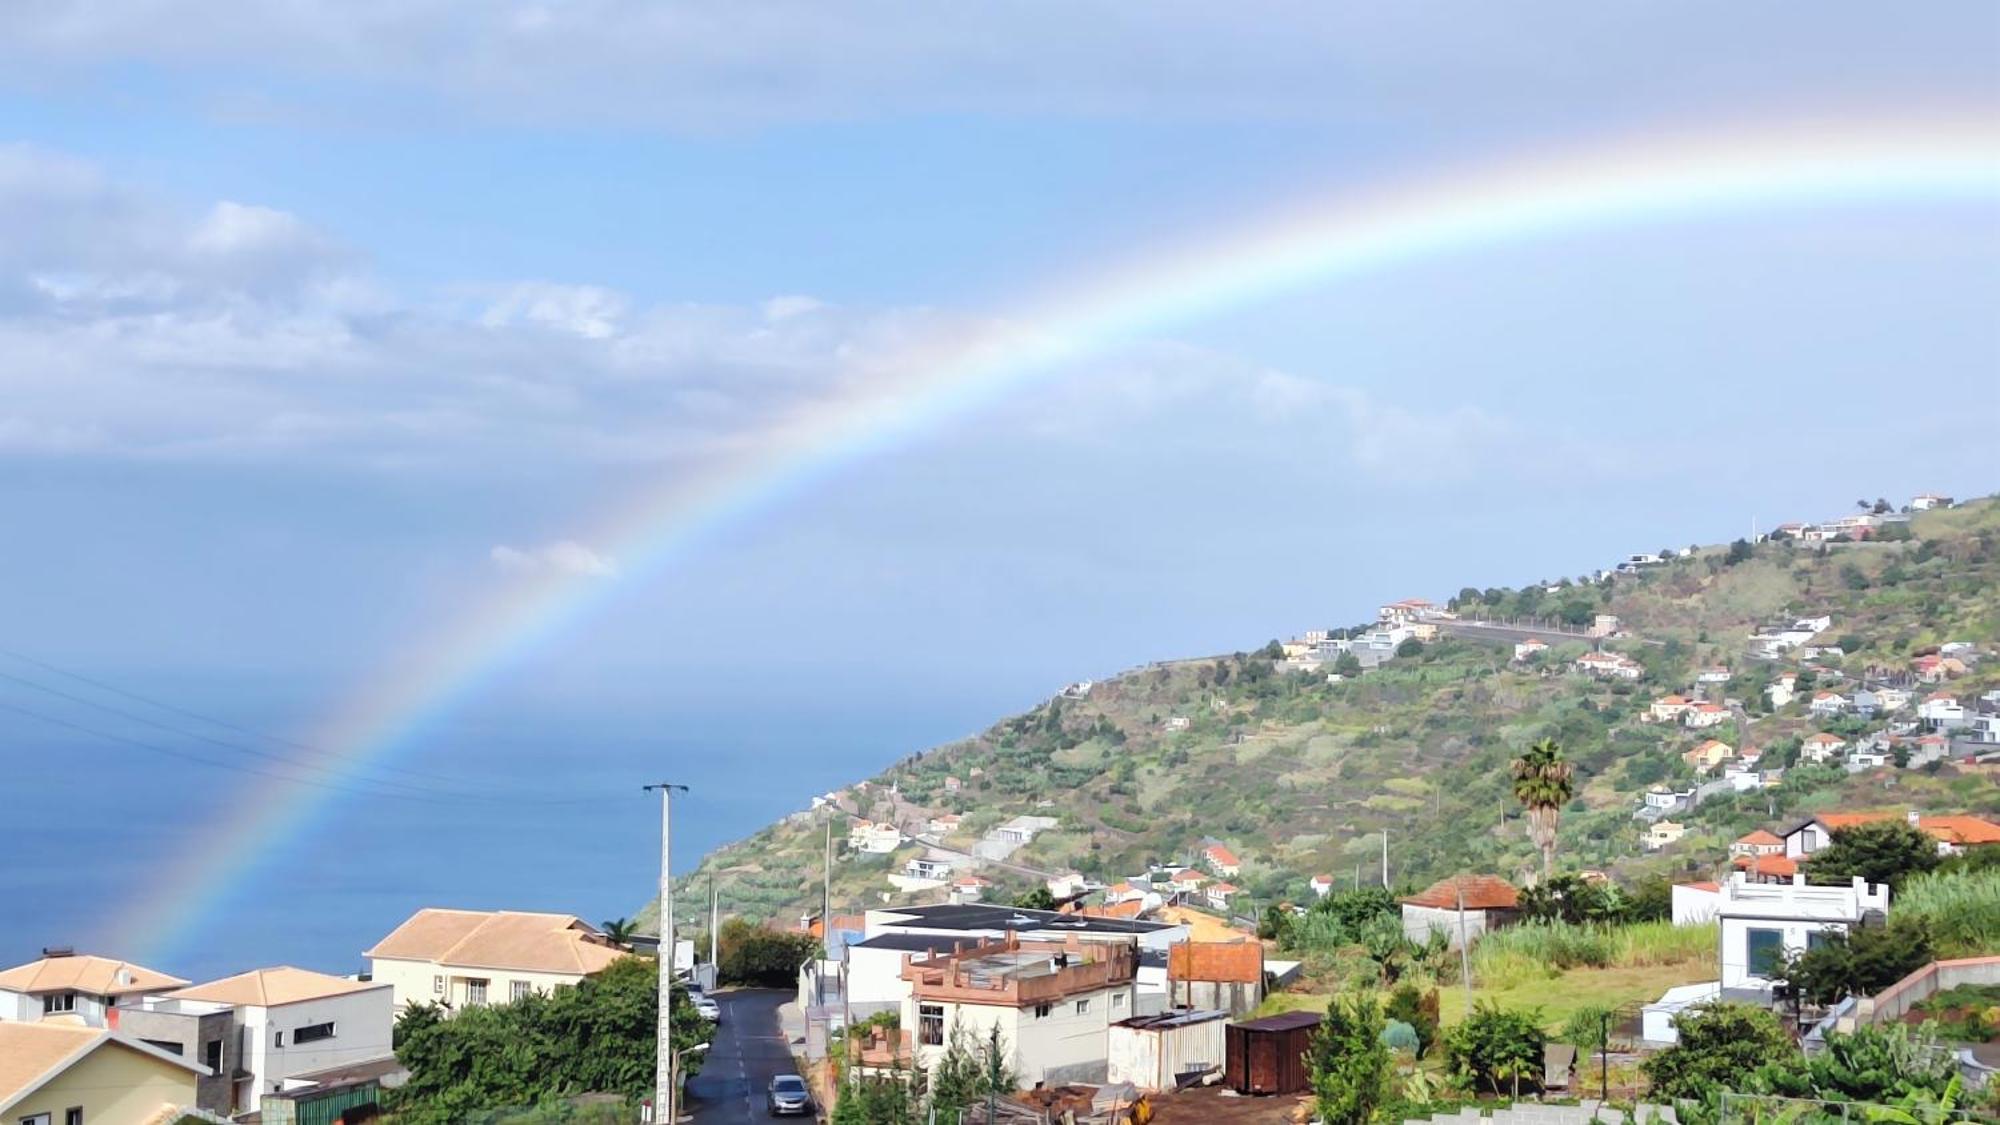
(1558, 997)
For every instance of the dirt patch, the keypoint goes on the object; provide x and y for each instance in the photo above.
(1216, 1105)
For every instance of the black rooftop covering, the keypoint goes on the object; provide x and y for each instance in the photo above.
(912, 943)
(972, 916)
(1284, 1022)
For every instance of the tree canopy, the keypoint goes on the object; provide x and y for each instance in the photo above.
(1887, 851)
(595, 1037)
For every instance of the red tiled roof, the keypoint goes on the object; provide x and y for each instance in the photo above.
(1220, 854)
(1224, 889)
(1704, 886)
(1961, 829)
(1482, 892)
(1781, 866)
(1760, 837)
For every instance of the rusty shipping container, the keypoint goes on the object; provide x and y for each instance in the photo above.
(1267, 1056)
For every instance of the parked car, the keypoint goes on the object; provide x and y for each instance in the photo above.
(789, 1095)
(707, 1007)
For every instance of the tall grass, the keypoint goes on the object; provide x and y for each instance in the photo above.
(1542, 950)
(1962, 907)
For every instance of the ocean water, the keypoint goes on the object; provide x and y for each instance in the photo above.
(93, 825)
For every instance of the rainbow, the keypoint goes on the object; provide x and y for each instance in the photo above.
(1653, 179)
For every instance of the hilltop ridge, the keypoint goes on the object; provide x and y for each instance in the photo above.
(1298, 755)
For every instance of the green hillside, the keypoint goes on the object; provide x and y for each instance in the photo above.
(1300, 775)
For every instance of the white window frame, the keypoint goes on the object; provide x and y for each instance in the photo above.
(519, 990)
(437, 985)
(1083, 1006)
(475, 990)
(58, 1003)
(332, 1029)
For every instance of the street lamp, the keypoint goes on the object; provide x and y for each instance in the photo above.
(674, 1084)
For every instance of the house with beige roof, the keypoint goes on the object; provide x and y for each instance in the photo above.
(76, 985)
(56, 1071)
(266, 1030)
(460, 958)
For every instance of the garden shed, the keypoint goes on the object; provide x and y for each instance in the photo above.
(1267, 1056)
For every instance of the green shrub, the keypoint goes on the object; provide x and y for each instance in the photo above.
(1497, 1048)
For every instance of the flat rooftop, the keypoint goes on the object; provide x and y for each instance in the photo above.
(973, 917)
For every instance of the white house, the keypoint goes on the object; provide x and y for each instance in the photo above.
(1703, 715)
(868, 836)
(1668, 709)
(1714, 675)
(1219, 894)
(1530, 649)
(1221, 860)
(291, 1023)
(1662, 833)
(1764, 923)
(1828, 704)
(970, 888)
(1068, 884)
(1053, 1003)
(943, 824)
(1696, 903)
(79, 987)
(1926, 501)
(1176, 723)
(1891, 700)
(1941, 711)
(1322, 885)
(1609, 665)
(1821, 747)
(1022, 829)
(1407, 611)
(928, 868)
(468, 957)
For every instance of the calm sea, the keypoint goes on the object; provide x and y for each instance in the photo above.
(90, 826)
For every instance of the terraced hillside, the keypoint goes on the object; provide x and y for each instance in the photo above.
(1300, 775)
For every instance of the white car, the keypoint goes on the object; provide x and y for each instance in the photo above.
(707, 1007)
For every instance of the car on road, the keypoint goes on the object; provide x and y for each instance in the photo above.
(789, 1095)
(706, 1007)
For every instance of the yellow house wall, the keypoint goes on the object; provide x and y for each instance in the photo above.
(115, 1086)
(414, 981)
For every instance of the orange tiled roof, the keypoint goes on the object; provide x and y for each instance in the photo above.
(1482, 892)
(1778, 866)
(100, 976)
(499, 939)
(1760, 836)
(1220, 854)
(1703, 886)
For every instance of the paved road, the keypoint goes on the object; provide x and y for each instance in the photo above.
(750, 1048)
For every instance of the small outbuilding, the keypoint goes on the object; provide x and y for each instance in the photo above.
(1268, 1056)
(1462, 907)
(1165, 1051)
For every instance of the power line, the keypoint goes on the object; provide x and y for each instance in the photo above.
(189, 714)
(225, 744)
(238, 767)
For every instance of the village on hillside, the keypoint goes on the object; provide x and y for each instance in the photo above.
(1783, 836)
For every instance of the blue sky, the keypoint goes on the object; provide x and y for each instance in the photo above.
(316, 327)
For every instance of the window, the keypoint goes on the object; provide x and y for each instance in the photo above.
(1117, 999)
(312, 1033)
(437, 984)
(1767, 951)
(1042, 1011)
(930, 1025)
(167, 1045)
(58, 1002)
(278, 1039)
(475, 991)
(211, 1056)
(1082, 1006)
(38, 1119)
(73, 1115)
(519, 990)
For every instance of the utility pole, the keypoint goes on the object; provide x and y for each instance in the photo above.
(826, 895)
(663, 1057)
(1385, 859)
(714, 925)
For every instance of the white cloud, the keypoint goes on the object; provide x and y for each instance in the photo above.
(702, 66)
(563, 557)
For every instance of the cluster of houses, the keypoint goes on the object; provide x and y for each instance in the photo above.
(1860, 526)
(1078, 995)
(85, 1038)
(1769, 913)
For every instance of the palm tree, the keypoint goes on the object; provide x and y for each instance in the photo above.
(620, 930)
(1542, 785)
